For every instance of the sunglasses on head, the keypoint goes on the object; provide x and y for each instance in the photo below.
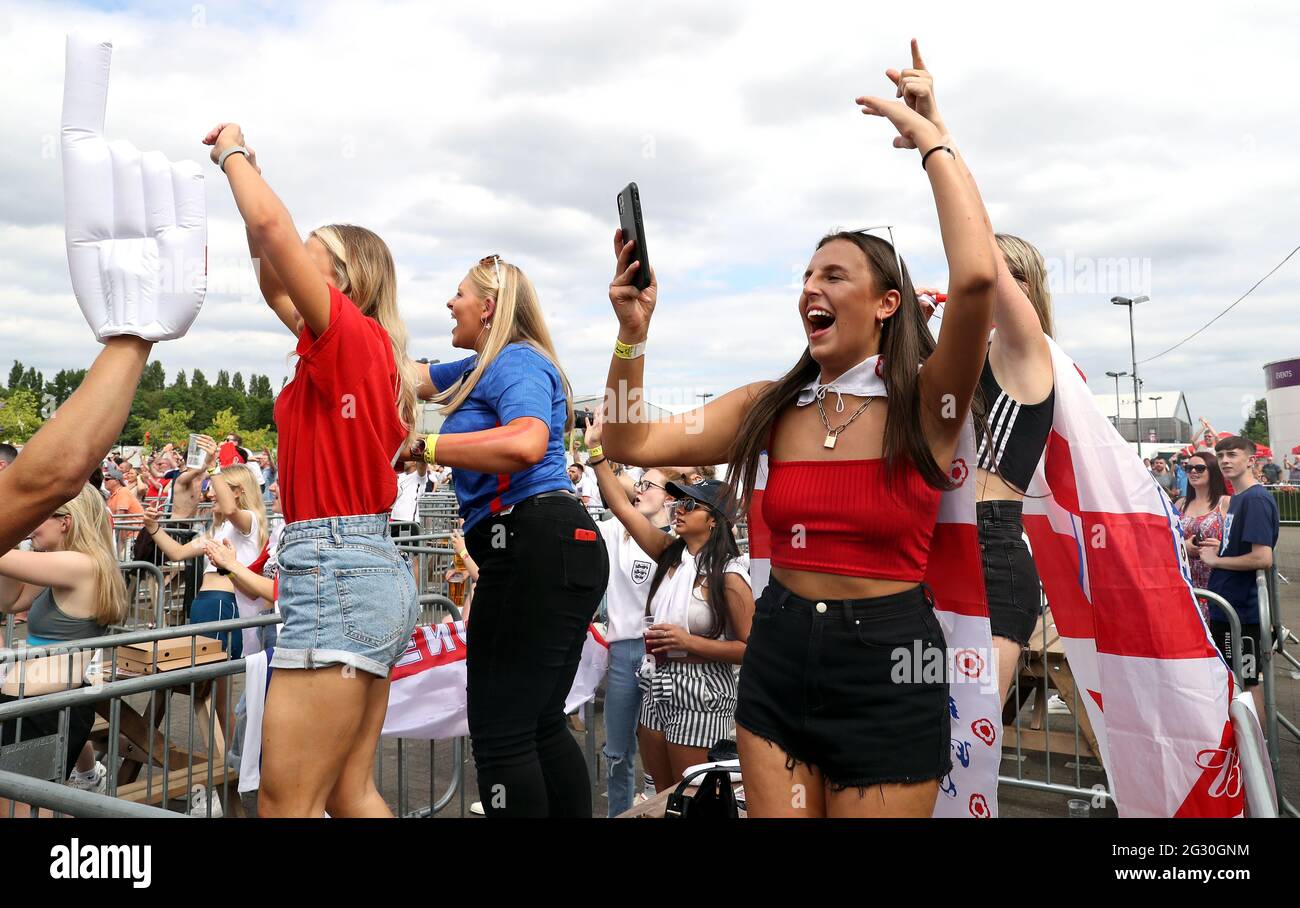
(888, 228)
(495, 262)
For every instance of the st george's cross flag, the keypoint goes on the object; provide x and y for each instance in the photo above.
(1108, 547)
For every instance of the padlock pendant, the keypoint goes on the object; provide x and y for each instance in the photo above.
(830, 440)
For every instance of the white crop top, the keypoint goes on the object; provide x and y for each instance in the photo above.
(247, 548)
(679, 601)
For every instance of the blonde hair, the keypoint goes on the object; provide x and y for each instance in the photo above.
(364, 270)
(91, 534)
(518, 319)
(248, 497)
(1027, 266)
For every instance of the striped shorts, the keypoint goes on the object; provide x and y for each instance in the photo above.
(693, 704)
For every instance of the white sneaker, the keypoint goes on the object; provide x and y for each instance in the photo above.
(477, 809)
(1056, 706)
(97, 783)
(201, 799)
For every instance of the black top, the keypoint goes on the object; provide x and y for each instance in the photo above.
(1012, 442)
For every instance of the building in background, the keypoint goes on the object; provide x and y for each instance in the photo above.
(1282, 397)
(1166, 422)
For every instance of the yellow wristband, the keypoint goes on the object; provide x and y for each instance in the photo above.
(594, 452)
(628, 351)
(430, 442)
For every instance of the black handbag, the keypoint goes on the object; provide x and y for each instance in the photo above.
(714, 799)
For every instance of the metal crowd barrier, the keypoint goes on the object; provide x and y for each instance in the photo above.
(1273, 640)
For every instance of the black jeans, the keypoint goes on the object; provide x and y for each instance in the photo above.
(542, 572)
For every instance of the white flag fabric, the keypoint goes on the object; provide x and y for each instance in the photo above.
(427, 698)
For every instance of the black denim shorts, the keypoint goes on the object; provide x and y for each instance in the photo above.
(857, 688)
(1010, 577)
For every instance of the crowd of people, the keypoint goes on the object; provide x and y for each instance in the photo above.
(851, 445)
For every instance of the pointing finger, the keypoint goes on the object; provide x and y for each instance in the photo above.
(85, 86)
(917, 62)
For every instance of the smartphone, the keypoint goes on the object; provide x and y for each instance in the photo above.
(629, 218)
(195, 458)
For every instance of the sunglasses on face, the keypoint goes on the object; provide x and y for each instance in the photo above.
(1196, 468)
(686, 505)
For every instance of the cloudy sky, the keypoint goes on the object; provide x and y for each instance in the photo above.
(1143, 150)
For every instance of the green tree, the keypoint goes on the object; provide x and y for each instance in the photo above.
(34, 381)
(223, 423)
(20, 415)
(258, 439)
(237, 383)
(179, 384)
(154, 378)
(199, 381)
(1256, 426)
(223, 379)
(168, 427)
(65, 382)
(15, 376)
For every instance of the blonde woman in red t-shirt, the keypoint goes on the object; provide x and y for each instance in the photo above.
(349, 601)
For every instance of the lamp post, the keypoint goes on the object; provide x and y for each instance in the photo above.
(1117, 376)
(1157, 398)
(1132, 342)
(704, 398)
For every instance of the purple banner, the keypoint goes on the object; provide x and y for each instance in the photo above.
(1282, 374)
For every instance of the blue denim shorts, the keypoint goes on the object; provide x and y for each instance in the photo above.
(345, 594)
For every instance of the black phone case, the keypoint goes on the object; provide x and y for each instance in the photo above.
(629, 217)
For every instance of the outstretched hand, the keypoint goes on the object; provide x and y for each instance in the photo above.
(916, 88)
(914, 130)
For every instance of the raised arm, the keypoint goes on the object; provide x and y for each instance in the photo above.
(1020, 332)
(272, 231)
(703, 435)
(58, 460)
(653, 541)
(952, 371)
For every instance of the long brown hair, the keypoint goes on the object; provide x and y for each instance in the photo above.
(905, 343)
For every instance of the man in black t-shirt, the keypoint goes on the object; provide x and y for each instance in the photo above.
(1272, 472)
(1250, 533)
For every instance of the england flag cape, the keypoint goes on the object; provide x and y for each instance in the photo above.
(957, 579)
(1108, 547)
(427, 698)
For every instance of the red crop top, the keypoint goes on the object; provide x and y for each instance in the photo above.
(841, 517)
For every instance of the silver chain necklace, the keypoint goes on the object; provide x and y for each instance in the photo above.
(832, 435)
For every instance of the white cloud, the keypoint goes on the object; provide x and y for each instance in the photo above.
(1100, 133)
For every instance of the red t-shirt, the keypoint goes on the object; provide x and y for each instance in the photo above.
(337, 419)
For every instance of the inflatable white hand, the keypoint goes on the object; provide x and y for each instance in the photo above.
(136, 224)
